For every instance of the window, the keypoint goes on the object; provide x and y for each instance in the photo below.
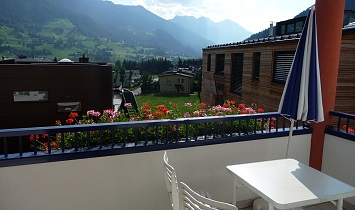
(283, 29)
(182, 80)
(290, 28)
(282, 65)
(182, 89)
(209, 62)
(220, 63)
(299, 26)
(256, 65)
(178, 80)
(30, 96)
(69, 107)
(237, 72)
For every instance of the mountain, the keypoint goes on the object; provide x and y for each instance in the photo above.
(222, 32)
(135, 24)
(49, 27)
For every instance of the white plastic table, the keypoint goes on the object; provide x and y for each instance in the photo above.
(287, 184)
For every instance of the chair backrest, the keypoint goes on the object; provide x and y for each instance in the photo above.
(191, 200)
(171, 183)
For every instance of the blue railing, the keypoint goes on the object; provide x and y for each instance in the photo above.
(343, 126)
(93, 140)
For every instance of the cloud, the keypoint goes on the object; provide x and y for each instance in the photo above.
(253, 15)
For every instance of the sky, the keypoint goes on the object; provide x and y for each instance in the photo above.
(253, 15)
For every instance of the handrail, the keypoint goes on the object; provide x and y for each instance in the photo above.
(150, 134)
(343, 127)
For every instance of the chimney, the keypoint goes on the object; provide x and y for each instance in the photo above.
(271, 29)
(83, 59)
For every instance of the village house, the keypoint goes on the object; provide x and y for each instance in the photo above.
(176, 81)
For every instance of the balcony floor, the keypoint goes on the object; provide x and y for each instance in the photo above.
(322, 206)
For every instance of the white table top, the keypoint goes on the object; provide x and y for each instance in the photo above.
(286, 183)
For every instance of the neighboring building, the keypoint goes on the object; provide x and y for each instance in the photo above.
(176, 82)
(37, 94)
(135, 78)
(255, 71)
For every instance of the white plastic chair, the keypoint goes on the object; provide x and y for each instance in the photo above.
(171, 183)
(191, 200)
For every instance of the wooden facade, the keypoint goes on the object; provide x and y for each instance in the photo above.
(264, 91)
(69, 87)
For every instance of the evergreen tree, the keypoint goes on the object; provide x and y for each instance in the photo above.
(147, 81)
(122, 73)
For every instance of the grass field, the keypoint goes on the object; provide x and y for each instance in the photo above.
(168, 99)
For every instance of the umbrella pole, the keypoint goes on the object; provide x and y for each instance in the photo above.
(289, 137)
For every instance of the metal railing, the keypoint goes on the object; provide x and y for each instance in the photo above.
(343, 125)
(127, 137)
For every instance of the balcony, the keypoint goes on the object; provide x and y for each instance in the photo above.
(128, 174)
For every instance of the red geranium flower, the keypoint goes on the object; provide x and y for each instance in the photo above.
(158, 114)
(69, 121)
(260, 110)
(241, 106)
(32, 138)
(147, 112)
(145, 106)
(73, 115)
(225, 105)
(203, 105)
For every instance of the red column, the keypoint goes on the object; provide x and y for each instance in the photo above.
(329, 14)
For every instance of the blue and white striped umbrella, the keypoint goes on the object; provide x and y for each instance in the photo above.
(302, 95)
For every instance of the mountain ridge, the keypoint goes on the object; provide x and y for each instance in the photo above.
(219, 32)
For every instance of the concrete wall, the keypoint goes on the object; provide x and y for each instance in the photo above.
(338, 160)
(135, 181)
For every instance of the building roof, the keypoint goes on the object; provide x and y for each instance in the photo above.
(175, 73)
(270, 39)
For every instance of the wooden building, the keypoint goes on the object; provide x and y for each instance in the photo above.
(37, 94)
(255, 71)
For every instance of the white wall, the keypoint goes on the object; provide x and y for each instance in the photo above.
(135, 181)
(338, 160)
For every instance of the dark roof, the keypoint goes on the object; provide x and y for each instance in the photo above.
(270, 39)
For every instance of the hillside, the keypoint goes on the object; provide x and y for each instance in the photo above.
(67, 28)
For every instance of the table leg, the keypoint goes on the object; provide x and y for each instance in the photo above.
(340, 204)
(271, 207)
(235, 189)
(234, 202)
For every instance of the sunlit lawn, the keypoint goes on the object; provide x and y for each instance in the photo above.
(168, 99)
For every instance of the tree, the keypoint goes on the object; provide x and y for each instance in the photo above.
(147, 81)
(199, 83)
(122, 73)
(130, 78)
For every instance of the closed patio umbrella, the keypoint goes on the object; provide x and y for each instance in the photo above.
(302, 95)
